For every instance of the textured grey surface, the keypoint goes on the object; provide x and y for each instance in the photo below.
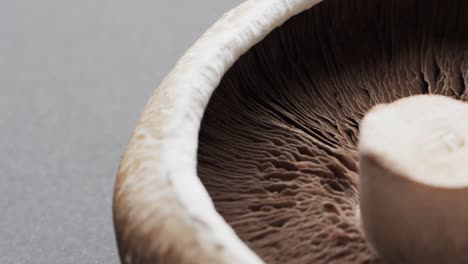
(74, 77)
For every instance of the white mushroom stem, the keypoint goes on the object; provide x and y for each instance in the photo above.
(413, 186)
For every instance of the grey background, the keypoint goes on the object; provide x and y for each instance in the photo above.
(74, 78)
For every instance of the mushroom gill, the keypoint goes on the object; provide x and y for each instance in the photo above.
(277, 145)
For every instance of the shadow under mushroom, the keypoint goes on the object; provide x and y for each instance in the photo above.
(277, 146)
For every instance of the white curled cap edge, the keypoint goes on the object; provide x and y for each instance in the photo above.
(158, 171)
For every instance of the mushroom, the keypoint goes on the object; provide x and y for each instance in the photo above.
(247, 152)
(413, 164)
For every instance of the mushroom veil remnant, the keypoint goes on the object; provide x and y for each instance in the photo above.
(248, 150)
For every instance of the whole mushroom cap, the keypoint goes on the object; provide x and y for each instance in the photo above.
(247, 151)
